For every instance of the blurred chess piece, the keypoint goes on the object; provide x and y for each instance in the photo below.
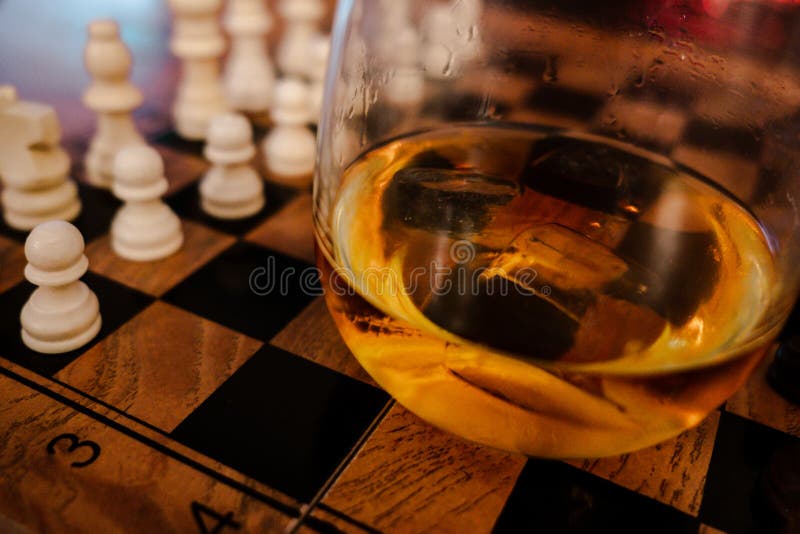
(450, 37)
(112, 97)
(231, 189)
(198, 41)
(144, 228)
(33, 166)
(317, 66)
(249, 76)
(302, 19)
(290, 148)
(406, 87)
(62, 314)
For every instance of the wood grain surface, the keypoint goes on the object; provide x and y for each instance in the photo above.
(160, 365)
(290, 231)
(201, 244)
(673, 472)
(759, 402)
(41, 486)
(411, 477)
(313, 335)
(12, 263)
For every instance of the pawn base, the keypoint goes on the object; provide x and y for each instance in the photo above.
(64, 345)
(232, 211)
(26, 223)
(143, 254)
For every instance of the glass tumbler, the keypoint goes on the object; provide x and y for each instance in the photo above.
(562, 228)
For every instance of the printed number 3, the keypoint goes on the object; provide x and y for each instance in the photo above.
(74, 444)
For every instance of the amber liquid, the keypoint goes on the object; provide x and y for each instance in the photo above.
(554, 294)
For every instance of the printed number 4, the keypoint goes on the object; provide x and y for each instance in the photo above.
(200, 511)
(74, 444)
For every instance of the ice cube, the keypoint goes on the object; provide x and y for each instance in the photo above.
(557, 257)
(456, 202)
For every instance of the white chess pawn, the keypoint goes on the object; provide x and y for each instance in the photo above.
(144, 228)
(231, 189)
(249, 75)
(439, 56)
(451, 37)
(302, 18)
(406, 87)
(62, 314)
(112, 96)
(290, 149)
(33, 166)
(317, 66)
(198, 41)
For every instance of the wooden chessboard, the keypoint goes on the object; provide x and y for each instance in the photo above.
(204, 406)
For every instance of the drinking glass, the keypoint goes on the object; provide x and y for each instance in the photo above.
(562, 228)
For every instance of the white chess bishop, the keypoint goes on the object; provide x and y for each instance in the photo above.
(302, 18)
(198, 41)
(144, 228)
(112, 96)
(290, 148)
(249, 74)
(231, 189)
(33, 166)
(62, 314)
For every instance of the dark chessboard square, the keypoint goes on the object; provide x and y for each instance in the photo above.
(250, 289)
(753, 479)
(463, 107)
(562, 101)
(118, 304)
(283, 420)
(171, 139)
(186, 203)
(99, 207)
(555, 497)
(741, 142)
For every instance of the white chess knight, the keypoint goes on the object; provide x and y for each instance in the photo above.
(290, 149)
(302, 18)
(198, 41)
(144, 228)
(231, 189)
(112, 97)
(33, 166)
(249, 74)
(319, 51)
(62, 314)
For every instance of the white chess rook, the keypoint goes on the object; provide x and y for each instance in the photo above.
(144, 228)
(33, 166)
(62, 314)
(112, 96)
(290, 148)
(302, 19)
(198, 41)
(231, 189)
(249, 74)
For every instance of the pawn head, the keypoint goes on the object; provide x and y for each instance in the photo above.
(138, 165)
(54, 250)
(290, 102)
(229, 139)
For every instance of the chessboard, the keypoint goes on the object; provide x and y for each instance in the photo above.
(207, 404)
